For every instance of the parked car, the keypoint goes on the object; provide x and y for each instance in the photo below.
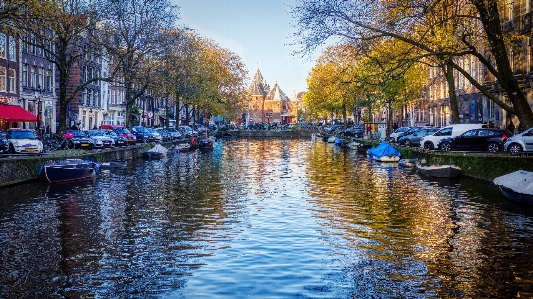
(354, 131)
(4, 144)
(130, 137)
(432, 141)
(80, 139)
(414, 138)
(102, 136)
(187, 131)
(142, 134)
(483, 139)
(394, 135)
(23, 141)
(519, 143)
(157, 136)
(165, 135)
(175, 134)
(119, 140)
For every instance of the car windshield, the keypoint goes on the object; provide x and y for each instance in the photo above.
(112, 134)
(22, 135)
(172, 130)
(122, 131)
(78, 134)
(96, 133)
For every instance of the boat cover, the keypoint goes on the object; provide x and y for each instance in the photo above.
(520, 181)
(383, 149)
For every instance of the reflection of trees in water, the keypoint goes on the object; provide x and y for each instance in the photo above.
(428, 235)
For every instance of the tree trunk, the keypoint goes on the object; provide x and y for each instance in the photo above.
(448, 71)
(490, 18)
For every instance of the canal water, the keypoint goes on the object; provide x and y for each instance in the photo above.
(264, 219)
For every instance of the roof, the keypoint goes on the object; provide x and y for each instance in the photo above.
(15, 113)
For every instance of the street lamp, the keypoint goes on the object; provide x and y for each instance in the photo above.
(39, 101)
(387, 131)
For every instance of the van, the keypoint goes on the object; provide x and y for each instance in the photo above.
(432, 141)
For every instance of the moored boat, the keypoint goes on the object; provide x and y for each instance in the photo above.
(384, 152)
(70, 170)
(156, 152)
(113, 164)
(438, 171)
(182, 147)
(516, 185)
(407, 162)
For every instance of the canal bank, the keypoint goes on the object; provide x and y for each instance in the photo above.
(482, 166)
(15, 170)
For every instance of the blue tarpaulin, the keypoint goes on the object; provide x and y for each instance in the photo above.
(383, 149)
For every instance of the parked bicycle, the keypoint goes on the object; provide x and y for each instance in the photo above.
(56, 142)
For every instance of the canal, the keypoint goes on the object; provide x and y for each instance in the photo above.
(265, 218)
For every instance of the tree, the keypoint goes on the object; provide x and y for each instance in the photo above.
(63, 30)
(439, 29)
(132, 33)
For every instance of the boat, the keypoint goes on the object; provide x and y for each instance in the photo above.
(182, 147)
(384, 152)
(438, 171)
(354, 145)
(341, 142)
(363, 148)
(114, 164)
(517, 185)
(407, 162)
(331, 139)
(157, 152)
(206, 144)
(70, 170)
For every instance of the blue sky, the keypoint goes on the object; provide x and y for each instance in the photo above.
(256, 30)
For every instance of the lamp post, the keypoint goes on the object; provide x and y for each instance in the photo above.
(39, 101)
(387, 131)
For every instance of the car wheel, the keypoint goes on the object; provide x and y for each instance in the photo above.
(428, 145)
(391, 140)
(446, 146)
(70, 144)
(514, 149)
(493, 147)
(408, 143)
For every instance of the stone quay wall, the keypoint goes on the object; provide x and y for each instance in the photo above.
(15, 170)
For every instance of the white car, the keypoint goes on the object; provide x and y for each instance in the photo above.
(107, 141)
(23, 141)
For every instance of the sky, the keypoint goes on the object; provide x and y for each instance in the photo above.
(258, 31)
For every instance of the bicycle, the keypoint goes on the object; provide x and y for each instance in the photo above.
(58, 142)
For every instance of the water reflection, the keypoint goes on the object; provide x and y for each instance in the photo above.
(264, 218)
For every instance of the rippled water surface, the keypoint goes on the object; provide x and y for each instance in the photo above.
(264, 219)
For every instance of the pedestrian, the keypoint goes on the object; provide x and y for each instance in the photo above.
(511, 126)
(368, 129)
(394, 127)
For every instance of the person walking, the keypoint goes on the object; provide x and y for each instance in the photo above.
(511, 127)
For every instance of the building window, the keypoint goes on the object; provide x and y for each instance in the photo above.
(2, 79)
(25, 44)
(89, 97)
(40, 81)
(84, 96)
(32, 44)
(2, 45)
(12, 49)
(492, 109)
(33, 78)
(12, 86)
(49, 80)
(24, 75)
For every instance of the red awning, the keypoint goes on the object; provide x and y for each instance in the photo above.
(16, 113)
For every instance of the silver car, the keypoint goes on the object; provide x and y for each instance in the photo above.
(518, 143)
